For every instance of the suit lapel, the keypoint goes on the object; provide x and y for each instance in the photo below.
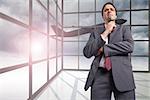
(101, 29)
(112, 35)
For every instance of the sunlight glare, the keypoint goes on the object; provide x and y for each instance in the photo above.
(36, 48)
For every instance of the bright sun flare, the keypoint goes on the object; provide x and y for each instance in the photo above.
(36, 48)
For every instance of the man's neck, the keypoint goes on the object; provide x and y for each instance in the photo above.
(107, 21)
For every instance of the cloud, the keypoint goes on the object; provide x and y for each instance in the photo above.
(140, 4)
(13, 37)
(139, 17)
(140, 32)
(15, 8)
(11, 34)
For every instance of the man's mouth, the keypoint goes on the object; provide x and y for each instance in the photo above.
(109, 15)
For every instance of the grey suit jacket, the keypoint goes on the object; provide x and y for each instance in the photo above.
(120, 46)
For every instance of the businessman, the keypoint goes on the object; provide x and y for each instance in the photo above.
(111, 69)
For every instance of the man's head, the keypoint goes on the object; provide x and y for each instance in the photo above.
(109, 12)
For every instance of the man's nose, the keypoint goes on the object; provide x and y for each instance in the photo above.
(109, 11)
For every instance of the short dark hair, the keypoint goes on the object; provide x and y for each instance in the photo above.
(109, 4)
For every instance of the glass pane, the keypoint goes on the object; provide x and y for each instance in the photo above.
(59, 38)
(52, 22)
(70, 20)
(39, 72)
(44, 2)
(59, 64)
(84, 5)
(87, 19)
(14, 85)
(84, 37)
(140, 63)
(85, 63)
(39, 46)
(59, 47)
(122, 4)
(14, 44)
(141, 48)
(39, 17)
(59, 17)
(140, 17)
(124, 15)
(100, 3)
(81, 47)
(52, 67)
(74, 38)
(139, 4)
(70, 62)
(99, 18)
(18, 9)
(52, 8)
(72, 31)
(70, 48)
(140, 32)
(70, 5)
(52, 32)
(60, 3)
(52, 47)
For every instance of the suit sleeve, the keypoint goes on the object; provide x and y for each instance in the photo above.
(120, 48)
(92, 46)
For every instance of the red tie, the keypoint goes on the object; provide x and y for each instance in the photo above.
(107, 63)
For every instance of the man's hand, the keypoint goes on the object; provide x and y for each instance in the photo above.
(108, 29)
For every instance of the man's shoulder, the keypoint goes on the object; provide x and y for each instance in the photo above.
(124, 27)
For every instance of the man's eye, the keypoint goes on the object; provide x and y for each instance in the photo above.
(112, 9)
(106, 10)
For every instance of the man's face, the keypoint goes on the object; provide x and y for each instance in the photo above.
(109, 13)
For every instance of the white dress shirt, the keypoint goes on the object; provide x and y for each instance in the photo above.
(101, 64)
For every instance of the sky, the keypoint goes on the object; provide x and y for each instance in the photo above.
(13, 37)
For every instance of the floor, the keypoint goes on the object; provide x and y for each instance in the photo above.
(68, 85)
